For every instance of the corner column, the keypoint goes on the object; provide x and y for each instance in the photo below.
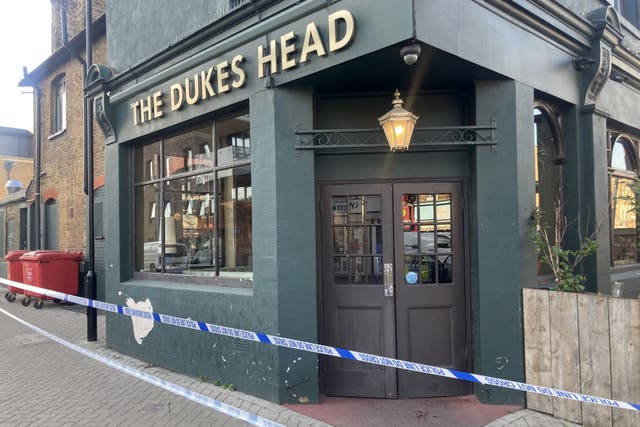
(587, 190)
(285, 232)
(503, 257)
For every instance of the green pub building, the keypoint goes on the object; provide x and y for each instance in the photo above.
(248, 182)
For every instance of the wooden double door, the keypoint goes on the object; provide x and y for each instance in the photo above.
(393, 284)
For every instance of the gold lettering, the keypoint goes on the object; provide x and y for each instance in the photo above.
(286, 48)
(196, 89)
(134, 107)
(222, 70)
(270, 59)
(145, 109)
(157, 105)
(312, 43)
(238, 71)
(177, 96)
(207, 88)
(349, 23)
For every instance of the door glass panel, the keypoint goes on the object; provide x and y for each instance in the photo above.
(426, 224)
(428, 269)
(443, 207)
(339, 210)
(338, 240)
(425, 212)
(445, 269)
(374, 270)
(410, 242)
(356, 270)
(373, 240)
(426, 242)
(356, 209)
(357, 234)
(356, 240)
(444, 241)
(409, 213)
(412, 269)
(373, 210)
(340, 270)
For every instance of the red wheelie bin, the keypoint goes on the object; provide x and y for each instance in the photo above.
(14, 272)
(53, 270)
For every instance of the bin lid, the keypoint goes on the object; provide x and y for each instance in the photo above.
(48, 255)
(15, 255)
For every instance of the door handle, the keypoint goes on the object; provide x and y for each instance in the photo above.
(388, 279)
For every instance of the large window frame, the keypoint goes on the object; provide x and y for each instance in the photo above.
(622, 209)
(217, 177)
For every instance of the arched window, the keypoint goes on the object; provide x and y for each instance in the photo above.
(623, 172)
(59, 107)
(549, 157)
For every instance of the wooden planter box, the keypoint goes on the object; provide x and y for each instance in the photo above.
(585, 343)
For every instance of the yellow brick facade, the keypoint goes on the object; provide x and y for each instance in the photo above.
(62, 153)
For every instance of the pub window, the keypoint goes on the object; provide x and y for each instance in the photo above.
(548, 170)
(194, 217)
(59, 90)
(623, 173)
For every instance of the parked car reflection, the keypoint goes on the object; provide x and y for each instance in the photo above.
(427, 244)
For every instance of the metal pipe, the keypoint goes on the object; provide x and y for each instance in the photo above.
(92, 316)
(37, 202)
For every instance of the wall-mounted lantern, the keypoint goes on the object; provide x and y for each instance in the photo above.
(398, 124)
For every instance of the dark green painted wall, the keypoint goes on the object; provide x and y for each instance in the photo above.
(503, 257)
(162, 23)
(284, 296)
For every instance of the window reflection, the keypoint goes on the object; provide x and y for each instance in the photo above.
(193, 217)
(624, 236)
(357, 233)
(426, 222)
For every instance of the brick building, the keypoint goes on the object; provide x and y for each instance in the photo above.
(59, 129)
(16, 158)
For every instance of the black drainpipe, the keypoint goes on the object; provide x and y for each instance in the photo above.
(92, 316)
(38, 167)
(87, 115)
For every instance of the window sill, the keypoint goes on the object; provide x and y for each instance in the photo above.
(57, 134)
(222, 281)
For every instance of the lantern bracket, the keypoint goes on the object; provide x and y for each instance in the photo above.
(373, 139)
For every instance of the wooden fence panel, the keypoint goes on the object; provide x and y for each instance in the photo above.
(595, 361)
(537, 347)
(565, 353)
(625, 357)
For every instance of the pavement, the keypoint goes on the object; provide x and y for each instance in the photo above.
(44, 383)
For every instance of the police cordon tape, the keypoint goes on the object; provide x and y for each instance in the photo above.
(214, 404)
(326, 350)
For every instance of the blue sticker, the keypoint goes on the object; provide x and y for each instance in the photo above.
(411, 277)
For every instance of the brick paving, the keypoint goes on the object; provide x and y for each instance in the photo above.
(529, 418)
(44, 383)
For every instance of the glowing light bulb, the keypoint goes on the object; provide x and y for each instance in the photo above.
(399, 130)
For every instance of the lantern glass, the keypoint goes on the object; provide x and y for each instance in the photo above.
(398, 125)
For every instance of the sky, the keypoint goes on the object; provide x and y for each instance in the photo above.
(25, 40)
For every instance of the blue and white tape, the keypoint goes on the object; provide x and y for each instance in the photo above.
(214, 404)
(328, 350)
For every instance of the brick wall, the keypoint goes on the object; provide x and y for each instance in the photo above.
(75, 18)
(22, 171)
(62, 155)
